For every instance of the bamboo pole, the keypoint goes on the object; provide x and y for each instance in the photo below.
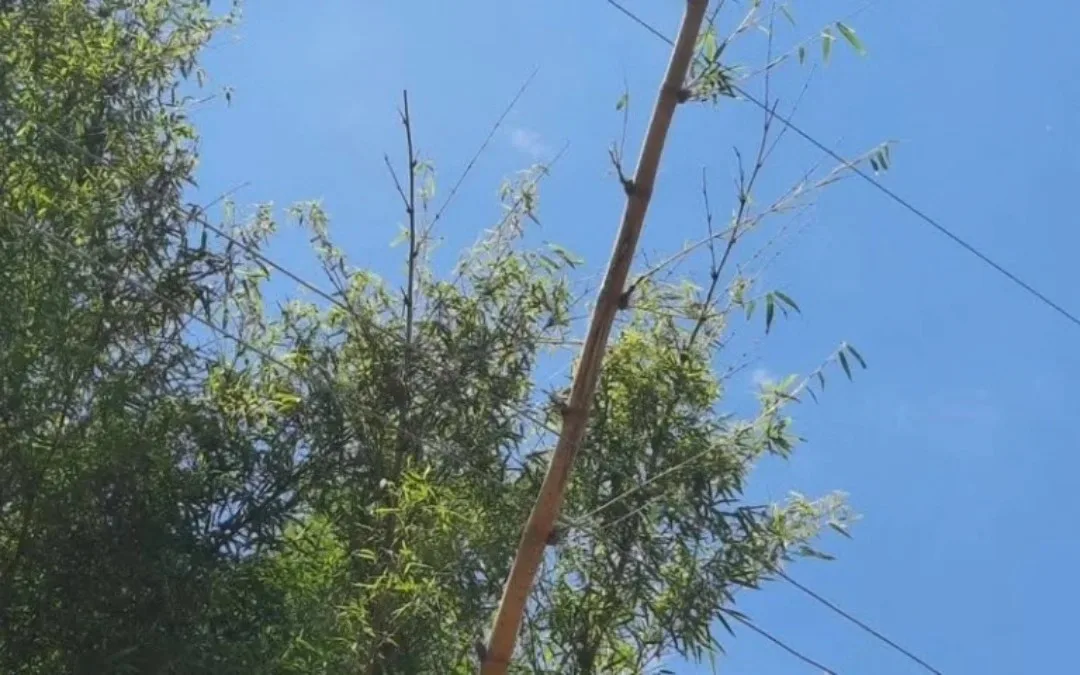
(541, 522)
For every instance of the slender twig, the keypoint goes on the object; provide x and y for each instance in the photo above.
(625, 116)
(708, 219)
(410, 290)
(397, 182)
(746, 188)
(792, 112)
(802, 44)
(386, 644)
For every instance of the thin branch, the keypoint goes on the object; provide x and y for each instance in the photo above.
(625, 116)
(802, 44)
(708, 219)
(402, 393)
(794, 110)
(397, 183)
(746, 188)
(684, 252)
(411, 211)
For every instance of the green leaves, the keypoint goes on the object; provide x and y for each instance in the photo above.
(858, 357)
(786, 11)
(708, 48)
(879, 158)
(773, 300)
(319, 494)
(566, 256)
(828, 37)
(710, 79)
(842, 357)
(844, 364)
(787, 301)
(851, 37)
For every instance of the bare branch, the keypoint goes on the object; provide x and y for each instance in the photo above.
(397, 183)
(709, 221)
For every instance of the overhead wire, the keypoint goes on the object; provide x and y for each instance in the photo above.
(923, 216)
(327, 296)
(855, 620)
(905, 203)
(783, 645)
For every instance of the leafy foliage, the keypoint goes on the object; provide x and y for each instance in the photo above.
(192, 480)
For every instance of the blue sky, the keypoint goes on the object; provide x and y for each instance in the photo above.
(956, 446)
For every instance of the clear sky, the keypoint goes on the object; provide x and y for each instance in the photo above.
(956, 446)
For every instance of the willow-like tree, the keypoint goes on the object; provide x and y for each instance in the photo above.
(193, 479)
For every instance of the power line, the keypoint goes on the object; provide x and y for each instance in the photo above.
(856, 621)
(483, 146)
(922, 215)
(641, 22)
(782, 645)
(919, 213)
(778, 572)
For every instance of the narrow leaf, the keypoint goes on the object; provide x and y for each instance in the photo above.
(708, 45)
(724, 623)
(623, 101)
(826, 44)
(787, 14)
(858, 357)
(788, 301)
(841, 529)
(770, 311)
(567, 257)
(851, 37)
(846, 366)
(802, 54)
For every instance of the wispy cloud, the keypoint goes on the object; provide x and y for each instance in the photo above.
(762, 377)
(967, 410)
(529, 142)
(964, 406)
